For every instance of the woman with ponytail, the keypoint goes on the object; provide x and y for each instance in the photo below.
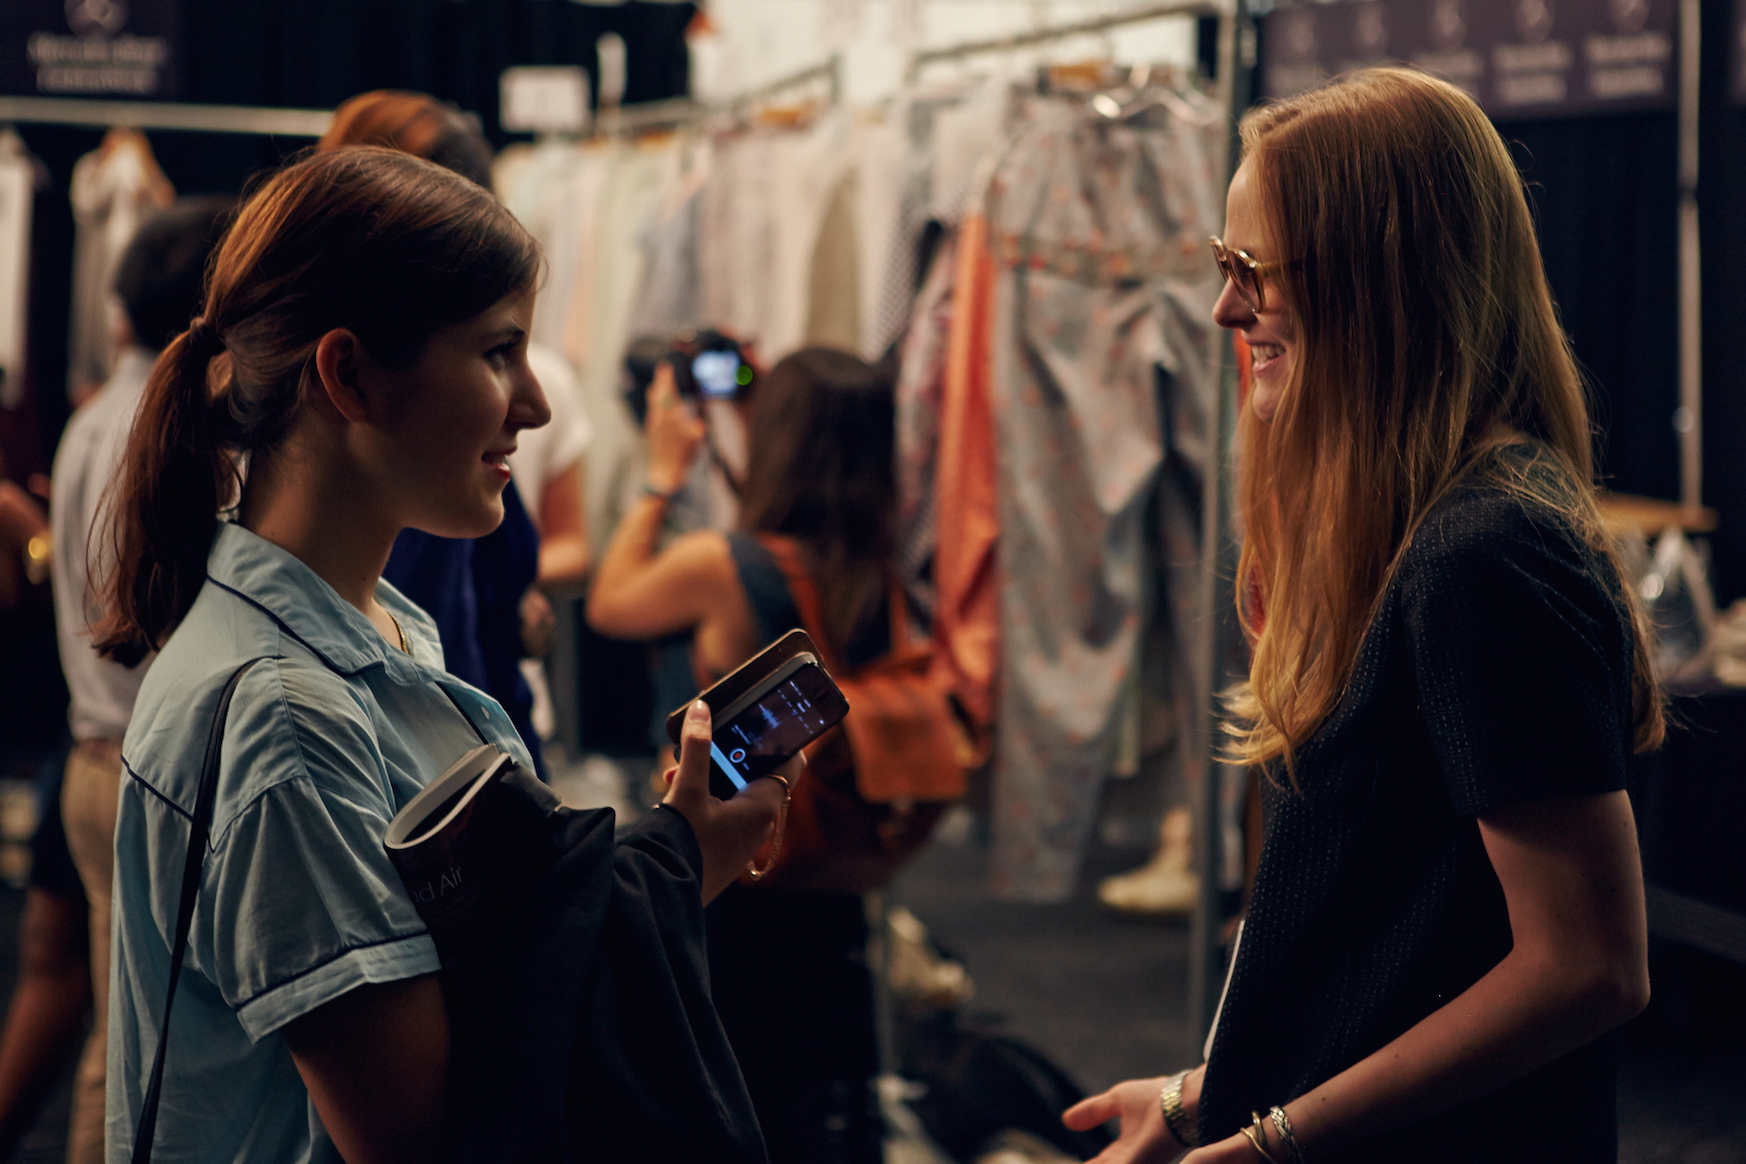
(359, 367)
(1449, 676)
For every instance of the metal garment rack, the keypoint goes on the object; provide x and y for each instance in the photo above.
(1019, 40)
(683, 111)
(104, 114)
(1221, 639)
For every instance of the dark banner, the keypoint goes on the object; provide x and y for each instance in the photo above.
(88, 48)
(1519, 58)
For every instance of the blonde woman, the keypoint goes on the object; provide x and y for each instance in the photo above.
(1448, 677)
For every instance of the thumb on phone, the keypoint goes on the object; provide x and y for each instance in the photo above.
(690, 786)
(728, 832)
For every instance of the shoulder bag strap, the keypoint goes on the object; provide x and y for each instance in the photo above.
(200, 826)
(786, 552)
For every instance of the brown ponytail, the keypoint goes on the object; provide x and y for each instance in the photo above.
(389, 246)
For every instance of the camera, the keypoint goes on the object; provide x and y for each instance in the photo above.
(707, 365)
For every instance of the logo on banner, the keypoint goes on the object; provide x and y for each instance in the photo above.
(1448, 25)
(1370, 31)
(1630, 16)
(1296, 66)
(1449, 56)
(1534, 20)
(97, 54)
(96, 17)
(1632, 63)
(1534, 71)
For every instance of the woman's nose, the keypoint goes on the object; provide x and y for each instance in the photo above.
(529, 407)
(1230, 310)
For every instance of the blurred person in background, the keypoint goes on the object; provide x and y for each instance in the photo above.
(1449, 673)
(45, 1020)
(819, 473)
(158, 283)
(486, 594)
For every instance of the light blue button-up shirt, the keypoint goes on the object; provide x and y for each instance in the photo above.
(298, 903)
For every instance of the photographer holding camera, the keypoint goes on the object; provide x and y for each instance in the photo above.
(817, 510)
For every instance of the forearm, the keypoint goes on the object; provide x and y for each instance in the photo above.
(563, 562)
(631, 549)
(1528, 1010)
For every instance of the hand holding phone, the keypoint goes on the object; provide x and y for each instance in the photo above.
(765, 712)
(729, 833)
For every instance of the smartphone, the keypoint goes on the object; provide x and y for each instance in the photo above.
(768, 709)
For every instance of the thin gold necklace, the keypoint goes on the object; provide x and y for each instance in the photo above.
(404, 649)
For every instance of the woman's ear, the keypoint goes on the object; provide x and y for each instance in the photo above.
(338, 361)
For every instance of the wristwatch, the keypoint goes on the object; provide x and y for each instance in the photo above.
(1175, 1118)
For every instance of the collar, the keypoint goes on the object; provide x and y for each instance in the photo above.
(307, 608)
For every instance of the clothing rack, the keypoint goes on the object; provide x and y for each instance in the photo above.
(683, 111)
(104, 114)
(1221, 640)
(1037, 36)
(830, 69)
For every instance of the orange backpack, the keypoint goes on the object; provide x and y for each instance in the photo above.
(877, 783)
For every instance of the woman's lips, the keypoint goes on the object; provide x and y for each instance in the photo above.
(1264, 357)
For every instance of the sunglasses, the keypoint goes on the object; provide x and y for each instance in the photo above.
(1244, 271)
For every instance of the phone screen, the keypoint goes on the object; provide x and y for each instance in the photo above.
(761, 738)
(717, 373)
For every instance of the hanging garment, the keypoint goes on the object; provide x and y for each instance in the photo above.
(1103, 285)
(763, 208)
(893, 282)
(669, 300)
(114, 189)
(17, 190)
(639, 178)
(919, 396)
(966, 614)
(833, 305)
(881, 183)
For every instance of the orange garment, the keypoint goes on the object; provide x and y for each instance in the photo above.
(967, 618)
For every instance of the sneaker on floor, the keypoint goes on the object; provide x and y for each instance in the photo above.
(1161, 888)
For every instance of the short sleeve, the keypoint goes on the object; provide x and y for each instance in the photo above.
(300, 903)
(1522, 653)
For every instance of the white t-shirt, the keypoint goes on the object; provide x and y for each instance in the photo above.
(543, 454)
(102, 692)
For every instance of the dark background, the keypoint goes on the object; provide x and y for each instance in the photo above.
(1603, 190)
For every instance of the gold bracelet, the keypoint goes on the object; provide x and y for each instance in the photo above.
(1282, 1125)
(1175, 1118)
(1258, 1136)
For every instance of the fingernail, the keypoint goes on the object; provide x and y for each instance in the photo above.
(698, 713)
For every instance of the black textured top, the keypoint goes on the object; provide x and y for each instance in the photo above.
(1498, 669)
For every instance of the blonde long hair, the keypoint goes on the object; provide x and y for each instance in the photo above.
(1426, 336)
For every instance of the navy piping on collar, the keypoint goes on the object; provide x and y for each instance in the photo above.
(286, 627)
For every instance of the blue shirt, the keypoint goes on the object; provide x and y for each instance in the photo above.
(298, 903)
